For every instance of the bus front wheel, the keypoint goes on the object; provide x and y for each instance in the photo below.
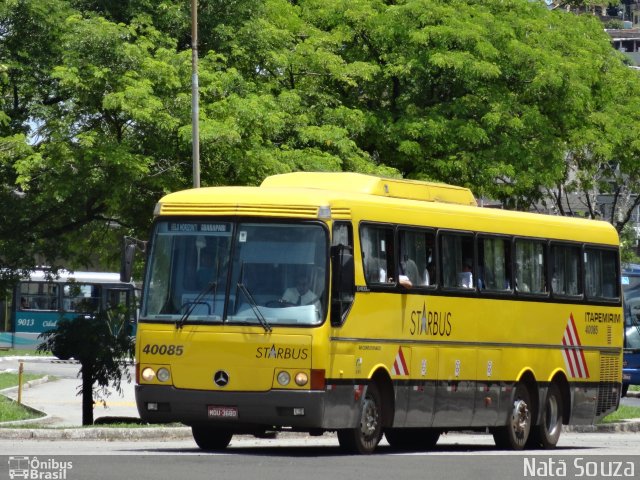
(365, 437)
(211, 439)
(515, 434)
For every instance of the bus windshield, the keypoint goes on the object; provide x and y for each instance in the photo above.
(238, 273)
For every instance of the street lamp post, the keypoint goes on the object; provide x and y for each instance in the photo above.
(195, 110)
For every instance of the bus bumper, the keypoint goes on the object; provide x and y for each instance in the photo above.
(245, 411)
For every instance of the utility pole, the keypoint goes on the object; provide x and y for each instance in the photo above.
(195, 109)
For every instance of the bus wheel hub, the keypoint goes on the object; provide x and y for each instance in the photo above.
(519, 417)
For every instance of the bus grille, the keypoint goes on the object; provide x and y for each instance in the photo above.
(609, 386)
(610, 369)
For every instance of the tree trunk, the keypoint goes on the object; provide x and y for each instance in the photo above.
(87, 393)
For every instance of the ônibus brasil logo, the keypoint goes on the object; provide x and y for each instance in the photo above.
(38, 469)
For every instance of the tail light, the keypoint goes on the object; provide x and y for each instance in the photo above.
(317, 380)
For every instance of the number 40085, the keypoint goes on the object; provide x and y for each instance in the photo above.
(155, 349)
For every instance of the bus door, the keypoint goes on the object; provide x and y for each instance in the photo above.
(6, 335)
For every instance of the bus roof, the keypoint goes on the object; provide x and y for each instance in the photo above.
(350, 196)
(368, 184)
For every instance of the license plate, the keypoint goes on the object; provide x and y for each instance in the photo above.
(626, 376)
(216, 411)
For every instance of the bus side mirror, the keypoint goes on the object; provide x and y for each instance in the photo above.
(129, 246)
(342, 283)
(127, 257)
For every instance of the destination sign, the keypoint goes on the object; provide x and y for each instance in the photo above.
(190, 227)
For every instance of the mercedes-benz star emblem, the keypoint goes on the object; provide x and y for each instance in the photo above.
(221, 378)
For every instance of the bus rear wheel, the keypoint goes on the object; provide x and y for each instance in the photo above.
(211, 439)
(515, 434)
(365, 437)
(547, 434)
(416, 439)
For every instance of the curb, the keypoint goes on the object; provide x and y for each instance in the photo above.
(627, 426)
(158, 434)
(17, 358)
(30, 383)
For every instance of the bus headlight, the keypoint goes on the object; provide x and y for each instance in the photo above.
(148, 374)
(163, 375)
(284, 378)
(301, 379)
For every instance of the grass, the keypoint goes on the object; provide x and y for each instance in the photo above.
(11, 411)
(624, 412)
(13, 352)
(11, 379)
(134, 423)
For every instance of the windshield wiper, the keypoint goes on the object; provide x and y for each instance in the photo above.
(254, 307)
(196, 301)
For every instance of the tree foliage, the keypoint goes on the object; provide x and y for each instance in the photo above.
(518, 102)
(103, 345)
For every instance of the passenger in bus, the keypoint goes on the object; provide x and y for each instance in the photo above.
(382, 275)
(409, 275)
(375, 272)
(465, 278)
(24, 303)
(522, 287)
(430, 272)
(301, 294)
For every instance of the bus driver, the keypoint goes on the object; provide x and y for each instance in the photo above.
(301, 294)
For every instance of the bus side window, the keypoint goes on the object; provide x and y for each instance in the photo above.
(565, 276)
(343, 280)
(342, 234)
(531, 267)
(457, 260)
(416, 257)
(494, 264)
(38, 296)
(601, 273)
(377, 254)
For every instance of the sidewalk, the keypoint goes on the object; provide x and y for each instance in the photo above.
(63, 407)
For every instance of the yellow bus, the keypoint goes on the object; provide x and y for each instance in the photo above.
(344, 302)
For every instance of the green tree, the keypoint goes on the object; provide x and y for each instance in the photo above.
(102, 343)
(87, 165)
(77, 172)
(95, 99)
(29, 47)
